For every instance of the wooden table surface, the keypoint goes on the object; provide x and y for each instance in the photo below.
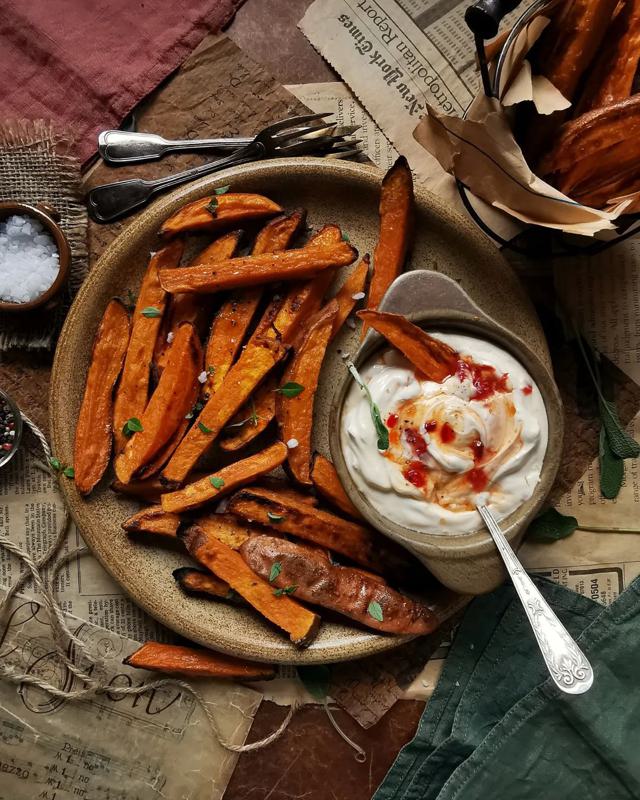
(310, 760)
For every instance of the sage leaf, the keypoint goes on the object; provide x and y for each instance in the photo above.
(290, 389)
(550, 526)
(611, 468)
(375, 610)
(316, 679)
(620, 442)
(382, 431)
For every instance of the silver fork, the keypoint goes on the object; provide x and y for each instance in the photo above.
(123, 147)
(111, 201)
(567, 664)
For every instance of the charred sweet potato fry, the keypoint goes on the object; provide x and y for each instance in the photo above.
(300, 623)
(249, 370)
(611, 75)
(285, 490)
(217, 211)
(153, 520)
(303, 262)
(350, 292)
(396, 224)
(227, 528)
(327, 483)
(225, 480)
(295, 414)
(286, 516)
(191, 307)
(94, 430)
(173, 398)
(147, 490)
(433, 358)
(195, 662)
(350, 592)
(133, 390)
(234, 317)
(197, 581)
(252, 419)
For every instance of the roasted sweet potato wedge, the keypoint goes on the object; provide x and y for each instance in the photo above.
(225, 480)
(285, 489)
(286, 516)
(148, 490)
(218, 211)
(195, 662)
(327, 483)
(133, 390)
(396, 224)
(431, 357)
(173, 398)
(611, 74)
(295, 413)
(351, 592)
(227, 528)
(189, 307)
(153, 520)
(249, 370)
(234, 317)
(94, 430)
(300, 623)
(303, 262)
(252, 419)
(198, 582)
(350, 292)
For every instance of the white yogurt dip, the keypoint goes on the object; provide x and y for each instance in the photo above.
(480, 436)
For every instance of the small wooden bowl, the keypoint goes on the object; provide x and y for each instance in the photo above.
(49, 218)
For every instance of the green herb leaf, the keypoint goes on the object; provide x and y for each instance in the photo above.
(204, 428)
(212, 207)
(375, 610)
(211, 370)
(611, 468)
(621, 443)
(276, 569)
(550, 526)
(285, 590)
(217, 483)
(382, 431)
(345, 237)
(197, 408)
(55, 463)
(69, 472)
(151, 311)
(316, 680)
(290, 389)
(131, 426)
(222, 190)
(275, 517)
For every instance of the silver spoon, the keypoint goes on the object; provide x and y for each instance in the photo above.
(567, 664)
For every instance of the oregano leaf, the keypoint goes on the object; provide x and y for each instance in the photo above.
(151, 311)
(276, 569)
(216, 482)
(290, 389)
(375, 610)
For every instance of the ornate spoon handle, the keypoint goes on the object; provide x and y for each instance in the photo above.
(567, 664)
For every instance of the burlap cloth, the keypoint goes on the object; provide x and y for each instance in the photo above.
(36, 166)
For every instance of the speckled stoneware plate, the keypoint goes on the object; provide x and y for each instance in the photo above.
(332, 191)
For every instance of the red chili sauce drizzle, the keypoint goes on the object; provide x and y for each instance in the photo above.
(484, 378)
(392, 420)
(415, 441)
(430, 426)
(527, 389)
(416, 473)
(478, 479)
(447, 433)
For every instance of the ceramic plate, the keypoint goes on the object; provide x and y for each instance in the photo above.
(332, 191)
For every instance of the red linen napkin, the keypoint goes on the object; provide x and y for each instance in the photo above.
(86, 63)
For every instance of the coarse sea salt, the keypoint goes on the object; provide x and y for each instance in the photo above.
(29, 260)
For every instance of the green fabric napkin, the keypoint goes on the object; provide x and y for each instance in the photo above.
(497, 727)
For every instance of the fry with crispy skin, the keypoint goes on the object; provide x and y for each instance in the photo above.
(165, 412)
(200, 582)
(301, 624)
(348, 294)
(249, 370)
(133, 390)
(396, 225)
(93, 439)
(327, 483)
(348, 591)
(225, 480)
(431, 357)
(195, 662)
(303, 262)
(217, 211)
(153, 520)
(234, 317)
(252, 419)
(295, 414)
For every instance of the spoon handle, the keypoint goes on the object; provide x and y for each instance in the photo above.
(567, 664)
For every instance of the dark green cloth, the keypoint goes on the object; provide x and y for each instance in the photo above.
(498, 728)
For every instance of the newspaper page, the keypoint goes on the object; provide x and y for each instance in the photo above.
(338, 99)
(111, 747)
